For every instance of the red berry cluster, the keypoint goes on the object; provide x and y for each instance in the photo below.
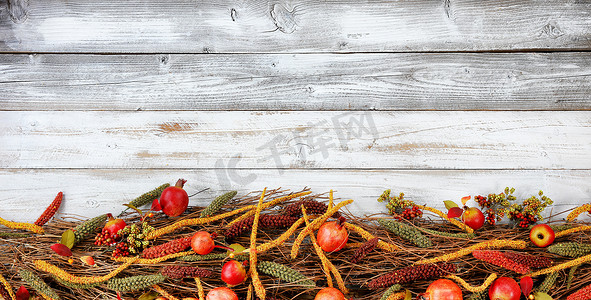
(524, 218)
(121, 250)
(491, 218)
(483, 201)
(410, 213)
(105, 237)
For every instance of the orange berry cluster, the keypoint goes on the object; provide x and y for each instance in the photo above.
(174, 246)
(412, 273)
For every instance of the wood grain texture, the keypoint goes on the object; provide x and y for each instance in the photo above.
(287, 140)
(211, 26)
(25, 193)
(493, 81)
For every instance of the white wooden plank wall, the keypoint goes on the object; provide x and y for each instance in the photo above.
(106, 100)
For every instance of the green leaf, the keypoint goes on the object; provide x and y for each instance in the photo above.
(408, 295)
(542, 296)
(449, 204)
(237, 248)
(151, 295)
(68, 238)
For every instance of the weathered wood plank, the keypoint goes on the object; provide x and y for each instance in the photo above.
(292, 26)
(241, 139)
(495, 81)
(25, 193)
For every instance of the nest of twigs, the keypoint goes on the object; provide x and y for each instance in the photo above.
(18, 253)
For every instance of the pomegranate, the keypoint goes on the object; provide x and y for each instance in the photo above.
(233, 272)
(202, 242)
(329, 294)
(173, 200)
(473, 217)
(504, 288)
(221, 293)
(332, 236)
(114, 225)
(442, 289)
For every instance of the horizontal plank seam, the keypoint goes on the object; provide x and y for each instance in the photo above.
(524, 50)
(298, 169)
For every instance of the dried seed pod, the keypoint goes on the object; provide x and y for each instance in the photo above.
(406, 232)
(391, 290)
(5, 289)
(217, 204)
(284, 273)
(548, 282)
(81, 286)
(14, 235)
(178, 272)
(313, 207)
(570, 249)
(88, 227)
(265, 221)
(462, 235)
(571, 275)
(582, 294)
(498, 258)
(38, 284)
(479, 296)
(50, 210)
(134, 283)
(577, 211)
(21, 225)
(148, 197)
(174, 246)
(412, 273)
(362, 251)
(529, 260)
(197, 257)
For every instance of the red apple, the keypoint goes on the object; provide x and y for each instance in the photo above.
(221, 293)
(202, 242)
(174, 200)
(504, 288)
(233, 272)
(114, 225)
(473, 217)
(329, 294)
(542, 235)
(332, 236)
(442, 289)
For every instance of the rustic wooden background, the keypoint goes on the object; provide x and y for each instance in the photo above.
(105, 100)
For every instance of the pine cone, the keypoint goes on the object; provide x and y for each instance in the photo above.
(312, 207)
(174, 246)
(178, 272)
(217, 204)
(529, 260)
(134, 283)
(362, 251)
(406, 232)
(265, 221)
(412, 273)
(498, 258)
